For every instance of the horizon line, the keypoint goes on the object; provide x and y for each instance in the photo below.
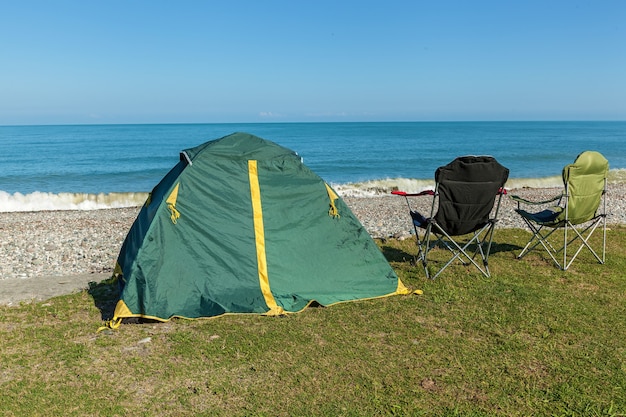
(317, 122)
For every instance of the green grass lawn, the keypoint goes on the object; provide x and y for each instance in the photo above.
(529, 341)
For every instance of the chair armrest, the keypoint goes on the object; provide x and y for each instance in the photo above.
(535, 203)
(405, 194)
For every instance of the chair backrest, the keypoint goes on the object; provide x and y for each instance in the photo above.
(467, 189)
(584, 182)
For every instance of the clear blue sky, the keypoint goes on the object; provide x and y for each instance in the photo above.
(155, 61)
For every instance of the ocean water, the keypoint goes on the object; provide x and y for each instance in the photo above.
(101, 166)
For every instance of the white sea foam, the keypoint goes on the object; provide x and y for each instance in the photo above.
(39, 201)
(382, 187)
(386, 186)
(547, 182)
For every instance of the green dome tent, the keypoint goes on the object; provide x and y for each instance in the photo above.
(241, 225)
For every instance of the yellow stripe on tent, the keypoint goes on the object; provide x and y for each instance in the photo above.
(259, 234)
(332, 212)
(171, 204)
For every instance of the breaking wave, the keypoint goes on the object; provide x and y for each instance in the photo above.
(385, 186)
(40, 201)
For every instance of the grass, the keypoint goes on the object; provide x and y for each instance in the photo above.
(529, 341)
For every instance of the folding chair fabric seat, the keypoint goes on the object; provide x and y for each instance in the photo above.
(418, 219)
(465, 192)
(547, 217)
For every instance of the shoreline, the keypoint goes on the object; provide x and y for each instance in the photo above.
(78, 242)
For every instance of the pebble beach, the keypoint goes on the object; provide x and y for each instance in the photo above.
(61, 243)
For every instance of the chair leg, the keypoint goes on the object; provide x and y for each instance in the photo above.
(484, 255)
(565, 265)
(460, 252)
(535, 232)
(539, 238)
(422, 249)
(603, 238)
(584, 237)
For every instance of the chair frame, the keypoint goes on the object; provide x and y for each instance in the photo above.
(582, 231)
(482, 237)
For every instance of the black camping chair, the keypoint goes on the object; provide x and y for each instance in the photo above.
(463, 200)
(579, 209)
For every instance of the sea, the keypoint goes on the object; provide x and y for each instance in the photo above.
(88, 167)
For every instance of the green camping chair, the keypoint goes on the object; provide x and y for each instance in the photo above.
(462, 216)
(580, 209)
